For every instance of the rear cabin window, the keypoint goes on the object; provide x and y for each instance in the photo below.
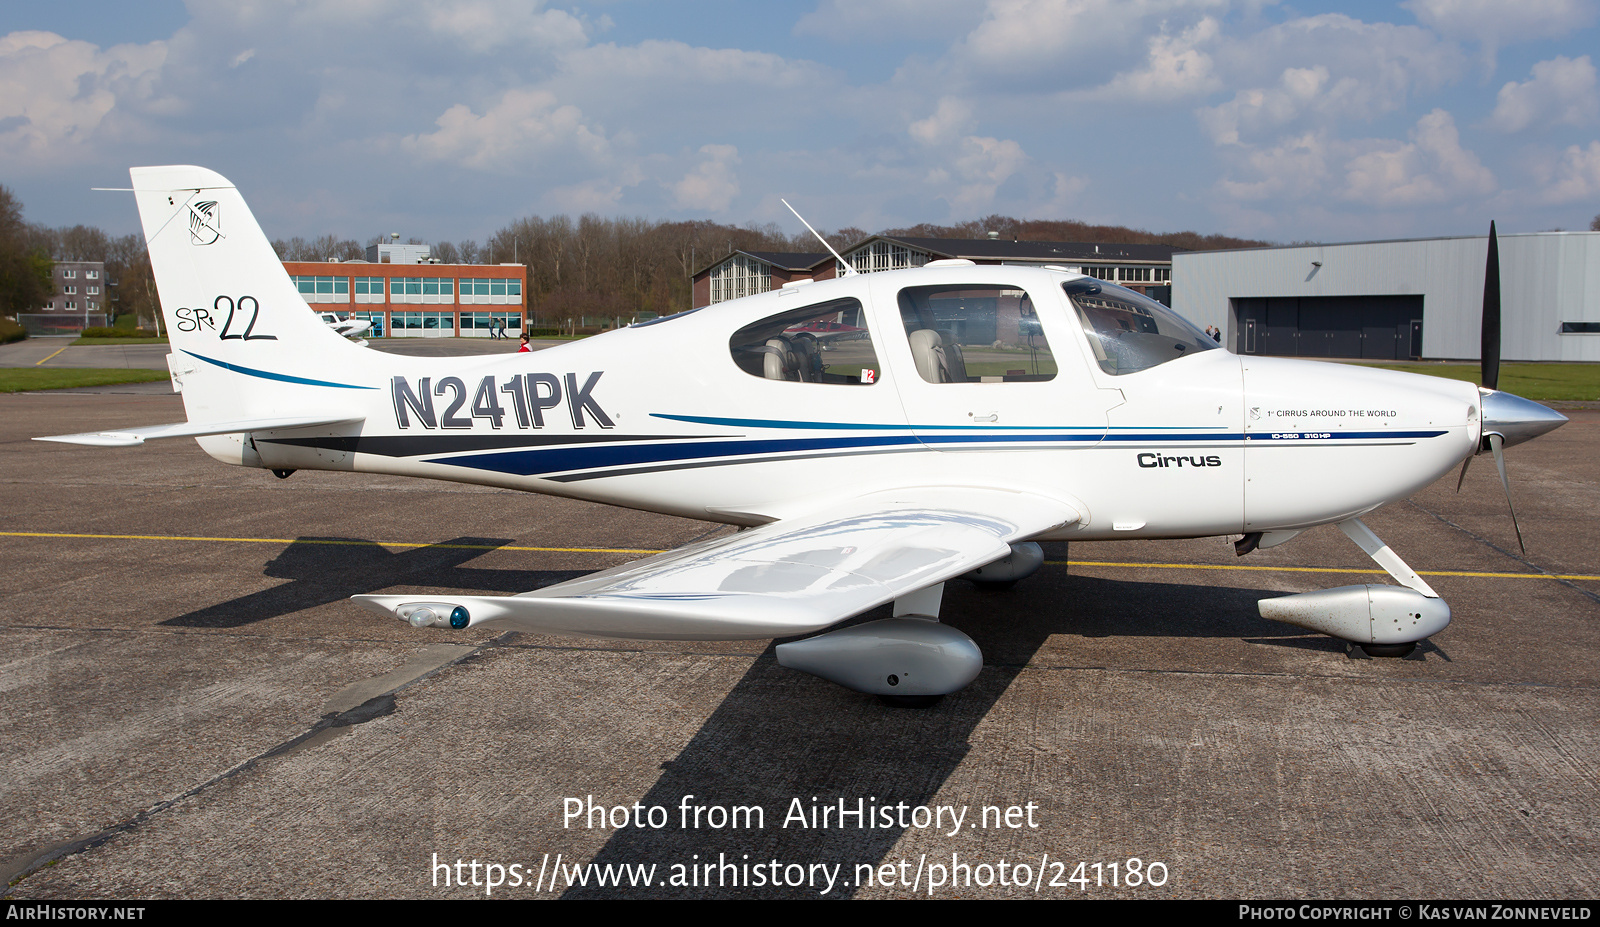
(822, 343)
(975, 334)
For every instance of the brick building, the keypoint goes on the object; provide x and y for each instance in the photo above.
(418, 300)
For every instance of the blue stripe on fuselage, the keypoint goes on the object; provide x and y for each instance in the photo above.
(547, 460)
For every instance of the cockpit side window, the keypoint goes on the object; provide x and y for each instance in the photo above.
(822, 343)
(978, 333)
(1129, 332)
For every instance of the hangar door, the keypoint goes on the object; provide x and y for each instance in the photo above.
(1375, 327)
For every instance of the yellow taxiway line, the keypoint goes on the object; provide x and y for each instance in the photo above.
(58, 351)
(328, 541)
(1292, 569)
(637, 550)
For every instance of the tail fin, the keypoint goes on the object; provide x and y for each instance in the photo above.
(244, 344)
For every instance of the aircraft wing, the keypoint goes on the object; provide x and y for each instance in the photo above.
(787, 578)
(130, 437)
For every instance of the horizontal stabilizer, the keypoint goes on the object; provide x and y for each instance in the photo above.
(131, 437)
(790, 577)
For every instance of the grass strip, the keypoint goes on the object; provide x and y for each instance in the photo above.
(28, 379)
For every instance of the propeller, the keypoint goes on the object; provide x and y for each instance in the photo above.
(1489, 355)
(1507, 419)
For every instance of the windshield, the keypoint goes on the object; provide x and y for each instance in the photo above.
(1130, 332)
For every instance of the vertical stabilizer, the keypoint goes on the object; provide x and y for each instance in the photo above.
(244, 344)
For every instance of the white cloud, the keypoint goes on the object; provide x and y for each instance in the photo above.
(1574, 177)
(1175, 68)
(601, 195)
(982, 164)
(1431, 168)
(1562, 91)
(1073, 44)
(889, 20)
(474, 25)
(59, 98)
(1264, 108)
(1064, 195)
(656, 68)
(1295, 168)
(487, 25)
(713, 184)
(1494, 23)
(951, 119)
(976, 165)
(1320, 70)
(524, 125)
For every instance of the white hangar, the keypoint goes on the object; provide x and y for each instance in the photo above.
(1398, 300)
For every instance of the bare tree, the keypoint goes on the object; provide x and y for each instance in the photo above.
(25, 280)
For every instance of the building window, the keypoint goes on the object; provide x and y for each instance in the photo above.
(1133, 274)
(323, 289)
(69, 274)
(881, 255)
(739, 276)
(480, 324)
(422, 324)
(92, 290)
(71, 304)
(92, 304)
(1163, 275)
(91, 275)
(368, 289)
(491, 291)
(432, 290)
(69, 289)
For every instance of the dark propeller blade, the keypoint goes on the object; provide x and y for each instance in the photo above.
(1490, 349)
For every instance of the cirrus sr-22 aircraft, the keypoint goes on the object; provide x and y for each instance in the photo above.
(876, 435)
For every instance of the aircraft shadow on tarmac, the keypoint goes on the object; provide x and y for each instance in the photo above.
(781, 735)
(325, 570)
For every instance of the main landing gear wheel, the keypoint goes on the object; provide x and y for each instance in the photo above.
(1389, 650)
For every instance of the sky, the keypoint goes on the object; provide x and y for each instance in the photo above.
(1283, 121)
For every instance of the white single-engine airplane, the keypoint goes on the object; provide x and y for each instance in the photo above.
(878, 435)
(348, 327)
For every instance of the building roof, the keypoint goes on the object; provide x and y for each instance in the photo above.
(975, 249)
(1395, 241)
(360, 268)
(787, 260)
(992, 249)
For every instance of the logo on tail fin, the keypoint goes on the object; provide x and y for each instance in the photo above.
(205, 223)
